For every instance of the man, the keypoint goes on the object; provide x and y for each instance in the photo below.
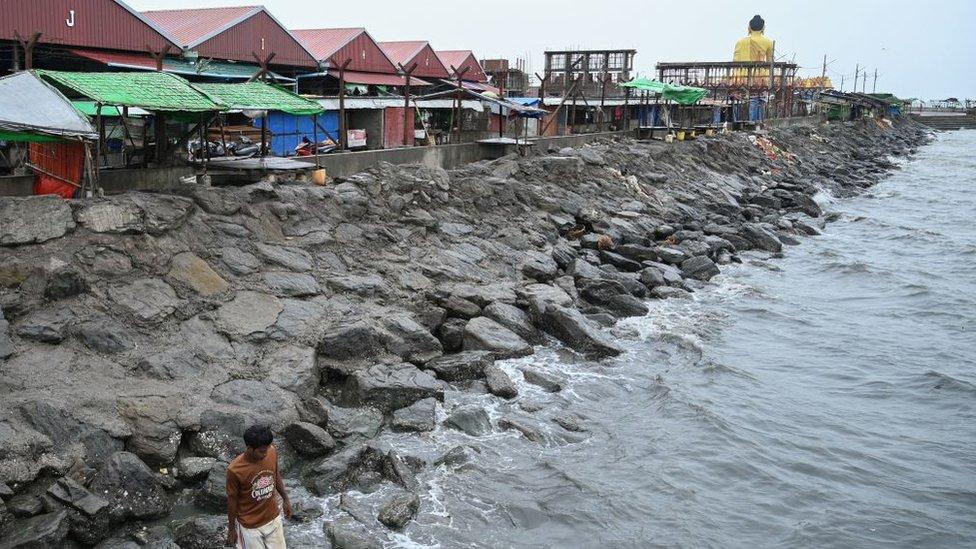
(253, 519)
(755, 47)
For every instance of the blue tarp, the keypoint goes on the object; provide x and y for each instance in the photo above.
(526, 101)
(287, 130)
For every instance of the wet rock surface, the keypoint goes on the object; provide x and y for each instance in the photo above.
(141, 333)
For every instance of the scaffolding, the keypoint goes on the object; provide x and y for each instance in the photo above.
(730, 81)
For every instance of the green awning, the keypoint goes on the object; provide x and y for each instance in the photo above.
(27, 136)
(260, 96)
(153, 91)
(683, 95)
(90, 108)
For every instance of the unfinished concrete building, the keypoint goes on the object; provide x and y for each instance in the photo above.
(591, 73)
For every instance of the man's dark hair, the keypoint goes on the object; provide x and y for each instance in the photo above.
(257, 436)
(757, 23)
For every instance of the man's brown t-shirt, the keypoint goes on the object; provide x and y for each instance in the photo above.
(253, 485)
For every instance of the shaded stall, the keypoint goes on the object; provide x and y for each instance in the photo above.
(271, 107)
(166, 96)
(58, 135)
(671, 102)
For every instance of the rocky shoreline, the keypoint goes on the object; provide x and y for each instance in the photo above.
(141, 333)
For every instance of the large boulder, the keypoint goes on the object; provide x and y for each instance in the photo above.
(130, 487)
(392, 386)
(289, 284)
(483, 333)
(71, 493)
(201, 532)
(419, 416)
(152, 421)
(699, 268)
(248, 313)
(359, 339)
(612, 296)
(309, 439)
(514, 319)
(33, 219)
(539, 266)
(499, 384)
(294, 259)
(149, 299)
(472, 420)
(264, 401)
(760, 237)
(579, 333)
(213, 494)
(40, 532)
(409, 340)
(396, 512)
(463, 366)
(293, 369)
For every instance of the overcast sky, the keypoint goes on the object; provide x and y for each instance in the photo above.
(919, 48)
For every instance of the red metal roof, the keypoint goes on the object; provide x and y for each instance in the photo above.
(133, 60)
(234, 33)
(192, 26)
(375, 79)
(108, 24)
(335, 46)
(407, 53)
(460, 59)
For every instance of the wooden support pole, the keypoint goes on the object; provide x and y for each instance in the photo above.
(158, 56)
(456, 119)
(28, 45)
(343, 130)
(264, 134)
(407, 128)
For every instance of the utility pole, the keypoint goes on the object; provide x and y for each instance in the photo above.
(824, 73)
(874, 86)
(857, 69)
(842, 83)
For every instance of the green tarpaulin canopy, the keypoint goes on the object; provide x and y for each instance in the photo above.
(152, 91)
(260, 96)
(683, 95)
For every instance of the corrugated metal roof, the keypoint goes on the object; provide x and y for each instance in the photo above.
(374, 79)
(156, 91)
(323, 43)
(193, 26)
(34, 107)
(402, 51)
(203, 67)
(460, 59)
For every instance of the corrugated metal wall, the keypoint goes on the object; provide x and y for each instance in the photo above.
(259, 34)
(366, 56)
(428, 65)
(90, 23)
(393, 128)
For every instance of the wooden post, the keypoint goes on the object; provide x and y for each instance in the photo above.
(158, 56)
(223, 137)
(263, 67)
(160, 138)
(603, 96)
(407, 128)
(457, 100)
(264, 134)
(101, 133)
(28, 45)
(343, 130)
(315, 136)
(626, 117)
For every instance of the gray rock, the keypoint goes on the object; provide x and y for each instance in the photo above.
(155, 435)
(261, 399)
(119, 217)
(569, 423)
(578, 332)
(511, 424)
(309, 439)
(515, 319)
(130, 487)
(293, 369)
(761, 237)
(483, 333)
(347, 533)
(699, 268)
(539, 266)
(392, 386)
(64, 283)
(541, 296)
(357, 340)
(463, 366)
(161, 212)
(40, 532)
(652, 277)
(294, 259)
(104, 336)
(539, 379)
(212, 496)
(25, 505)
(619, 261)
(451, 334)
(193, 469)
(582, 269)
(69, 492)
(290, 284)
(459, 307)
(370, 285)
(409, 340)
(45, 326)
(34, 219)
(239, 262)
(671, 256)
(669, 292)
(220, 435)
(419, 416)
(612, 296)
(201, 532)
(396, 512)
(564, 254)
(248, 313)
(472, 420)
(362, 422)
(6, 345)
(637, 252)
(499, 384)
(149, 299)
